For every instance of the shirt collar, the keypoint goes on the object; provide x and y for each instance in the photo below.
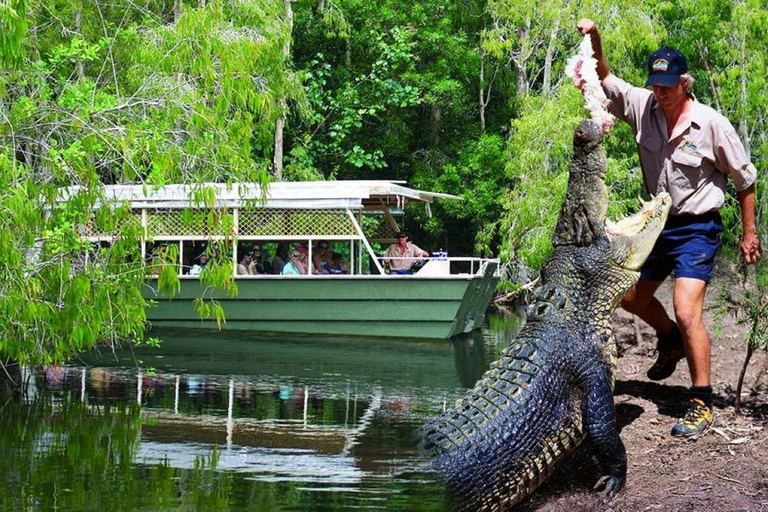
(696, 117)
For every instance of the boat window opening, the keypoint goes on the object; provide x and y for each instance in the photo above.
(253, 258)
(160, 255)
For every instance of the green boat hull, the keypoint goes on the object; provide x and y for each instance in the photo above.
(380, 306)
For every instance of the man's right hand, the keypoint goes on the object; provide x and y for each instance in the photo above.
(586, 26)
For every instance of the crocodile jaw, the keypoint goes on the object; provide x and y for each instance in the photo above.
(632, 238)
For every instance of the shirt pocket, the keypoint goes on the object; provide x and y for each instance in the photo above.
(686, 170)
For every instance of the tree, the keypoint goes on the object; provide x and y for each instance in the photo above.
(118, 93)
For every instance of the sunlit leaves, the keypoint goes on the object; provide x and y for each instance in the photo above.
(116, 93)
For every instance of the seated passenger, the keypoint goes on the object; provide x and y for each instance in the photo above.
(260, 265)
(199, 265)
(281, 258)
(322, 260)
(297, 264)
(246, 267)
(338, 261)
(400, 257)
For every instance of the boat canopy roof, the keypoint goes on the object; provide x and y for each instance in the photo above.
(353, 194)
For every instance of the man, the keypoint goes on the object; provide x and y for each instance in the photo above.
(688, 150)
(401, 256)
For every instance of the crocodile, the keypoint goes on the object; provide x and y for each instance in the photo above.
(552, 387)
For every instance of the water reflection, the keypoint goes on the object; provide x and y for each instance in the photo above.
(265, 424)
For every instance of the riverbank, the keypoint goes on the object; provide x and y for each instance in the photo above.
(725, 469)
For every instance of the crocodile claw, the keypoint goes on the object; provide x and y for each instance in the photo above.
(610, 485)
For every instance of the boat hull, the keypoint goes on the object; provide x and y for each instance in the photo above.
(380, 306)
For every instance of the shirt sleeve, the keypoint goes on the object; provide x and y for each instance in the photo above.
(416, 251)
(627, 101)
(731, 158)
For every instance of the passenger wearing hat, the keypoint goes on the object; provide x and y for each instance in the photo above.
(688, 150)
(199, 265)
(400, 257)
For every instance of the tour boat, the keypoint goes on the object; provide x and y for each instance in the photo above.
(358, 219)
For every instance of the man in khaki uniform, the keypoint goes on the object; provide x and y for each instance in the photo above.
(401, 256)
(688, 150)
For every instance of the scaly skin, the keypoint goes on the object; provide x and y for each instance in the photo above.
(553, 386)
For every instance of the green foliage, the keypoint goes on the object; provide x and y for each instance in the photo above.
(59, 296)
(124, 92)
(340, 112)
(540, 152)
(13, 28)
(116, 94)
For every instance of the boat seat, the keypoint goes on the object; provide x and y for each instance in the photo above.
(435, 268)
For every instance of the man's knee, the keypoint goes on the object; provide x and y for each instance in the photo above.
(689, 304)
(634, 302)
(687, 318)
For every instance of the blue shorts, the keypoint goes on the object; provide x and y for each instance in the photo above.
(687, 246)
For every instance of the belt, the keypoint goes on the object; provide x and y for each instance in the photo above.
(690, 218)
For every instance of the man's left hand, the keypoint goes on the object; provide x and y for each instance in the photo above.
(750, 247)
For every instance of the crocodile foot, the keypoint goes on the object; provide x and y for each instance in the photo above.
(547, 299)
(610, 485)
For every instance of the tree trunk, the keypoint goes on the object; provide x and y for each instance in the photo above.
(320, 5)
(77, 28)
(482, 91)
(436, 115)
(743, 126)
(523, 34)
(546, 85)
(277, 163)
(740, 384)
(177, 7)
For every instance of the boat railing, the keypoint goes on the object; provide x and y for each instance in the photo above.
(431, 266)
(440, 264)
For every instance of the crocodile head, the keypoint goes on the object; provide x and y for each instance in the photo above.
(632, 238)
(610, 253)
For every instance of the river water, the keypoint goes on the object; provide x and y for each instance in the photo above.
(237, 421)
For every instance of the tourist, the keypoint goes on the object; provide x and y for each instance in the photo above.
(281, 258)
(297, 263)
(322, 260)
(199, 265)
(260, 265)
(246, 266)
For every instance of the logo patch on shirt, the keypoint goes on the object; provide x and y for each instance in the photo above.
(690, 147)
(660, 65)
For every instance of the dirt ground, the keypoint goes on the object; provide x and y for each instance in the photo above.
(725, 469)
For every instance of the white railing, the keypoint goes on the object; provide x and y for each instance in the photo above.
(432, 266)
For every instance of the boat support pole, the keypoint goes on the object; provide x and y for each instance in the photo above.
(365, 241)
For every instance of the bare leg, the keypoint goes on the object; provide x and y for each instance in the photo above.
(640, 300)
(689, 307)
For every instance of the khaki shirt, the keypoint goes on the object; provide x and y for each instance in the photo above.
(393, 251)
(694, 162)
